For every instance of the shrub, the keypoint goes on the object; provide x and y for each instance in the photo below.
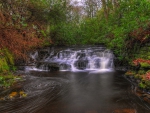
(143, 62)
(6, 61)
(148, 75)
(142, 85)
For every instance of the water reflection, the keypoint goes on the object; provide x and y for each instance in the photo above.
(78, 92)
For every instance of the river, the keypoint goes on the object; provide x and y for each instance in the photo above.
(83, 90)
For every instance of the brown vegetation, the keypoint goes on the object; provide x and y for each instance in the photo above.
(17, 39)
(140, 36)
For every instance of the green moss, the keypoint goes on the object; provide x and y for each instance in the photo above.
(6, 65)
(3, 65)
(145, 65)
(6, 61)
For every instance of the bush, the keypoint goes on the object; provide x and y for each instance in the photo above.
(7, 79)
(142, 85)
(145, 65)
(6, 61)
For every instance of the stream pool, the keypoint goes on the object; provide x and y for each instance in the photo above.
(74, 80)
(76, 92)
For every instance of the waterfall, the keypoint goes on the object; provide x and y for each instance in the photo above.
(75, 59)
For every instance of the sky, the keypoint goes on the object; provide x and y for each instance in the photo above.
(78, 1)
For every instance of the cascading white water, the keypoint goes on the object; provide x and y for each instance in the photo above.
(92, 58)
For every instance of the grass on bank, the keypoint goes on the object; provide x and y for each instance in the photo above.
(8, 79)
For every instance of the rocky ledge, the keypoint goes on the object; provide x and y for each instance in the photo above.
(141, 92)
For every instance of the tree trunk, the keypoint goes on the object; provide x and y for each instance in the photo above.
(105, 9)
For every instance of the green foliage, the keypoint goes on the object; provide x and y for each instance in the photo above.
(128, 17)
(3, 65)
(137, 76)
(114, 31)
(143, 53)
(145, 64)
(142, 85)
(90, 31)
(6, 61)
(147, 84)
(61, 27)
(7, 79)
(141, 72)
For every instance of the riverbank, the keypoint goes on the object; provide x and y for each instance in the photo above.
(10, 86)
(140, 79)
(8, 79)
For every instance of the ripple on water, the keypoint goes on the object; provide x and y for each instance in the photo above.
(40, 91)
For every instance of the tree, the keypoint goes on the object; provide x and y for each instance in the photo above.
(91, 7)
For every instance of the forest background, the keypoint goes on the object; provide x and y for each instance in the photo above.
(121, 25)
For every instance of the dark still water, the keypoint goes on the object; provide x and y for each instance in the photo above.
(74, 80)
(76, 92)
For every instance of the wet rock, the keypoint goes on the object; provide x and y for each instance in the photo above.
(142, 93)
(53, 67)
(139, 91)
(138, 81)
(48, 66)
(146, 95)
(81, 64)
